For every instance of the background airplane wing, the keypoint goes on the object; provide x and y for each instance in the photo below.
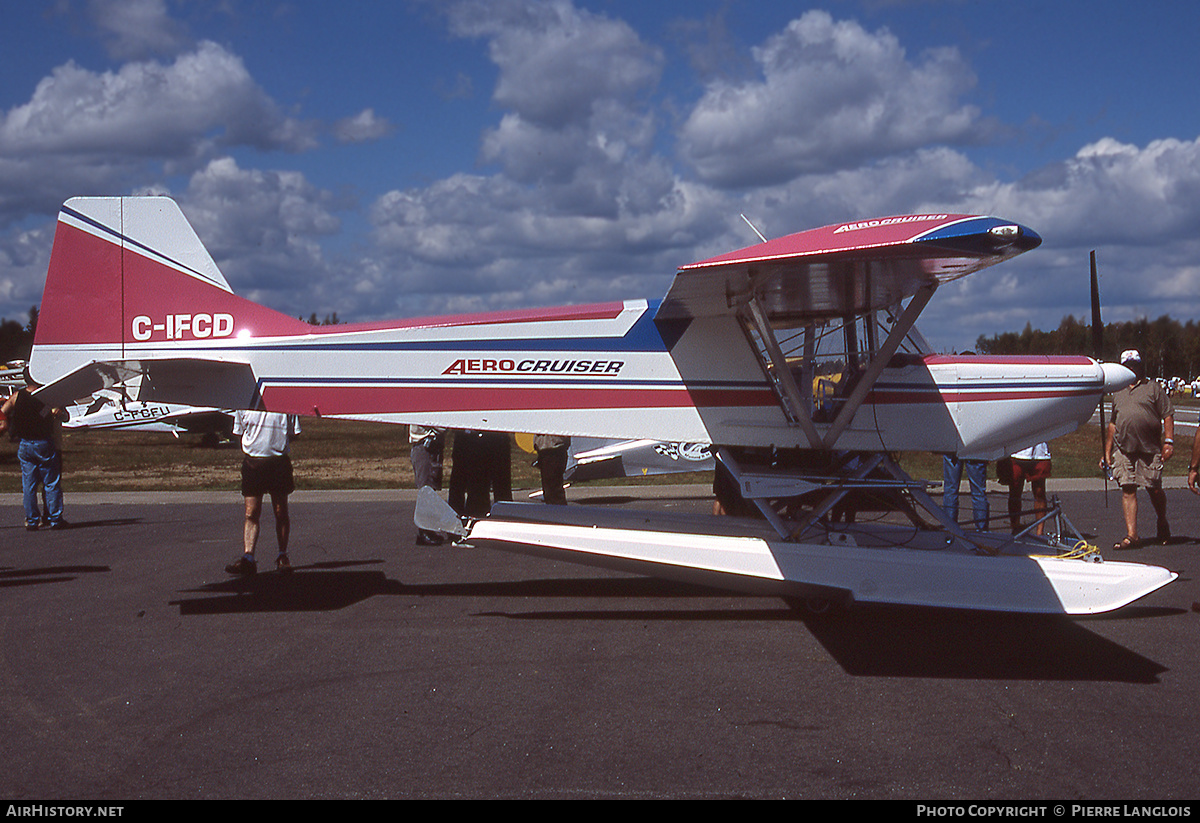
(597, 459)
(186, 381)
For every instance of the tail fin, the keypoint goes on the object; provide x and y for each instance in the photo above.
(129, 278)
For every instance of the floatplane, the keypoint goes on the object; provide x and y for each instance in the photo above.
(796, 361)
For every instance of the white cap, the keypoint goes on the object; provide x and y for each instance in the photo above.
(1130, 354)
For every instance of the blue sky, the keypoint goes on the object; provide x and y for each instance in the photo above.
(390, 159)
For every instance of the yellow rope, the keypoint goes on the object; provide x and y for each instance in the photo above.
(1079, 551)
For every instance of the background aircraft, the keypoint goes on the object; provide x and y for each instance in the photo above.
(108, 410)
(593, 458)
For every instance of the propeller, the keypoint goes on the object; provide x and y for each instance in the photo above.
(1097, 328)
(1097, 348)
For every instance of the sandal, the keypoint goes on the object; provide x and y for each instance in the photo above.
(1127, 543)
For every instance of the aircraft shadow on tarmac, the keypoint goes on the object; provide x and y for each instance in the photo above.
(10, 577)
(331, 586)
(866, 641)
(910, 642)
(899, 641)
(312, 588)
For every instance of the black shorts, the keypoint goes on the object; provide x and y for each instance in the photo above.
(267, 475)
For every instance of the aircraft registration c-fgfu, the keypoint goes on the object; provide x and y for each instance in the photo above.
(797, 360)
(108, 410)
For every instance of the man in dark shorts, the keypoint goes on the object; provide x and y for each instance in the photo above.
(1032, 464)
(266, 469)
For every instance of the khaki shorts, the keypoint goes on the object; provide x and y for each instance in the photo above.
(1143, 470)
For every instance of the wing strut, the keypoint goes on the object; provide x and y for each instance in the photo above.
(770, 490)
(890, 346)
(866, 465)
(796, 407)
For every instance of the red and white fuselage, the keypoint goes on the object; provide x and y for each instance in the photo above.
(130, 282)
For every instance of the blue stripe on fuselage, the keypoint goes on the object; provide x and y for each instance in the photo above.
(645, 335)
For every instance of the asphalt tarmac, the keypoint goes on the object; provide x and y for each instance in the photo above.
(134, 668)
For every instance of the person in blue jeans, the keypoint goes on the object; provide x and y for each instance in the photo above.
(34, 427)
(952, 472)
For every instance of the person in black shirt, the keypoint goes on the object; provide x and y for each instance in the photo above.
(34, 426)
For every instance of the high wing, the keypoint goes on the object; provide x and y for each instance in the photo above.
(796, 361)
(846, 269)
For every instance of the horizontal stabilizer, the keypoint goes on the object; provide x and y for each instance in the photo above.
(186, 381)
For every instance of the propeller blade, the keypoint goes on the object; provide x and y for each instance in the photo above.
(1097, 325)
(1097, 348)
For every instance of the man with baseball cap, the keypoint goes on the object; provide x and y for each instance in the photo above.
(1142, 428)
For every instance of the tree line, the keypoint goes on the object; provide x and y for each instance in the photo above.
(16, 340)
(1169, 348)
(330, 320)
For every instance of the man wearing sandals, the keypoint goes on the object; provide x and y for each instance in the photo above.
(1142, 429)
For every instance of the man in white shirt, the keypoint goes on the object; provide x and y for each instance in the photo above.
(266, 469)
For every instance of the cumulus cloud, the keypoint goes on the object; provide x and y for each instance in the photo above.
(557, 60)
(1136, 206)
(136, 29)
(839, 123)
(578, 190)
(593, 182)
(472, 242)
(1109, 191)
(830, 96)
(24, 257)
(99, 131)
(362, 127)
(574, 88)
(831, 129)
(262, 228)
(148, 108)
